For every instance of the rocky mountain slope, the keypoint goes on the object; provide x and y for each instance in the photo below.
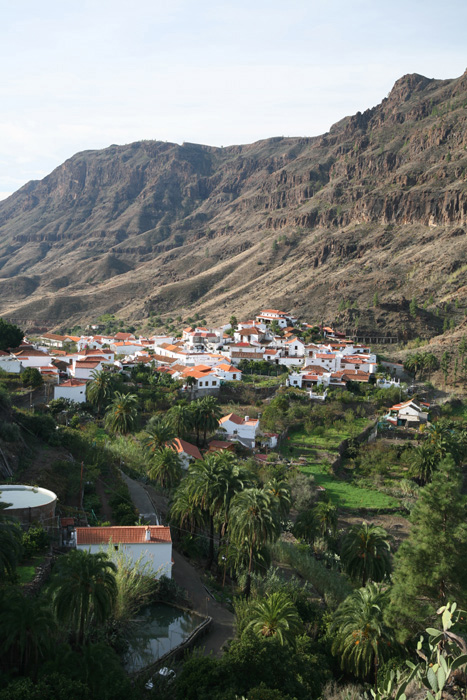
(378, 205)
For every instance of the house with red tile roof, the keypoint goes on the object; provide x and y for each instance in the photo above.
(83, 369)
(71, 389)
(30, 357)
(228, 372)
(186, 451)
(237, 429)
(151, 543)
(408, 414)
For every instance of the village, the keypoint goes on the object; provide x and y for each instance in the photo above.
(147, 449)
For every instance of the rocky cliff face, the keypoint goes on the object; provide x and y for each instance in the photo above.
(378, 204)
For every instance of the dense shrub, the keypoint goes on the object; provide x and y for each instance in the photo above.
(9, 432)
(35, 540)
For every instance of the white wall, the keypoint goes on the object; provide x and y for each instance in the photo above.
(10, 365)
(73, 393)
(159, 555)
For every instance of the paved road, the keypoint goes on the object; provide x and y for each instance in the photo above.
(187, 577)
(141, 500)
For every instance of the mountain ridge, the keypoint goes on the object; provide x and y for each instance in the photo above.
(296, 222)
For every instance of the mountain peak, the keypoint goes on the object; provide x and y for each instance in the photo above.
(405, 87)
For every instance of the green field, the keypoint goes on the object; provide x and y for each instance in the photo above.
(345, 494)
(26, 572)
(312, 446)
(329, 440)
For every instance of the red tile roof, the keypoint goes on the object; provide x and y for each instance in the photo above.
(221, 445)
(73, 382)
(183, 446)
(135, 534)
(233, 418)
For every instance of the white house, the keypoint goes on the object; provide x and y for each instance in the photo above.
(83, 369)
(126, 347)
(186, 451)
(228, 373)
(295, 347)
(408, 414)
(30, 357)
(72, 389)
(243, 430)
(203, 377)
(152, 543)
(10, 363)
(283, 318)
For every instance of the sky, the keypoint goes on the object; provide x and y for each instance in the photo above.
(84, 75)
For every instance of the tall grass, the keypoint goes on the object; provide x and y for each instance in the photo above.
(136, 584)
(330, 584)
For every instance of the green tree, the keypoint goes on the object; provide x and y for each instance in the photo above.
(445, 365)
(279, 493)
(212, 482)
(325, 515)
(158, 435)
(361, 638)
(10, 543)
(185, 512)
(10, 335)
(376, 299)
(84, 588)
(26, 631)
(32, 378)
(276, 616)
(429, 567)
(366, 553)
(253, 523)
(208, 415)
(180, 418)
(413, 308)
(121, 414)
(165, 468)
(424, 462)
(100, 389)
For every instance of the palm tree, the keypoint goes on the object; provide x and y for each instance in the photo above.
(279, 492)
(120, 416)
(165, 468)
(325, 515)
(11, 537)
(276, 616)
(424, 462)
(180, 419)
(159, 435)
(305, 526)
(184, 511)
(253, 523)
(100, 389)
(84, 588)
(366, 553)
(207, 482)
(361, 638)
(26, 631)
(209, 414)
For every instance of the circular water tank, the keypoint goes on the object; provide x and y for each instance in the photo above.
(28, 503)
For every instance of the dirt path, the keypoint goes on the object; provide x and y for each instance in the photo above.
(185, 575)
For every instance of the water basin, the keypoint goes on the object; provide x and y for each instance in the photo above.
(156, 630)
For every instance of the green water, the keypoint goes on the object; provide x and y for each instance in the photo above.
(156, 630)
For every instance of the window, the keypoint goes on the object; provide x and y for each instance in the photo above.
(234, 376)
(116, 547)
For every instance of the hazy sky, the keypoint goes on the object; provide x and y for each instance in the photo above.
(83, 75)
